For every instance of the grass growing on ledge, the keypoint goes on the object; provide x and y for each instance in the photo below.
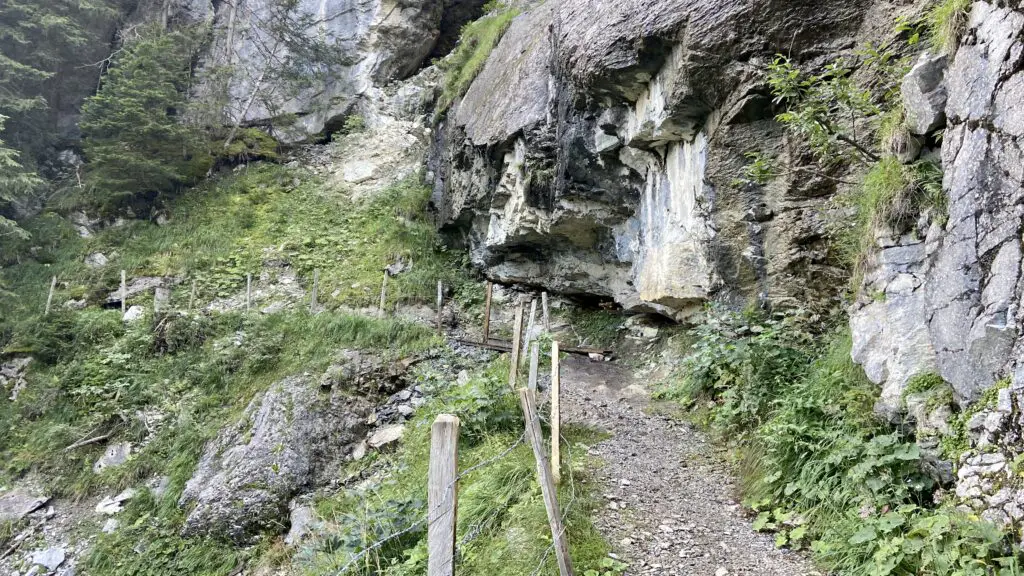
(477, 40)
(946, 23)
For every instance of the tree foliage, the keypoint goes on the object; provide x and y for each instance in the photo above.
(135, 143)
(15, 182)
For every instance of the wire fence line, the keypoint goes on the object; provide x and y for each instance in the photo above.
(425, 522)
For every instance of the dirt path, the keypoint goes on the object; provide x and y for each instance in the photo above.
(669, 504)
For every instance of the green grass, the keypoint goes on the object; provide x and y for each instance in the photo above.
(946, 24)
(477, 40)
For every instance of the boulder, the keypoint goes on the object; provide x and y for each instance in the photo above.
(49, 558)
(96, 260)
(286, 440)
(386, 437)
(114, 455)
(18, 503)
(924, 95)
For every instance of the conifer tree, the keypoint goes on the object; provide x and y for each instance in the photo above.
(15, 182)
(135, 142)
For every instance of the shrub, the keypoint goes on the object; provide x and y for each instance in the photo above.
(946, 23)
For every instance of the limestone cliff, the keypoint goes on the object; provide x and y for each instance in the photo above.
(598, 151)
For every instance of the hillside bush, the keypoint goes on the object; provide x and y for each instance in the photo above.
(817, 465)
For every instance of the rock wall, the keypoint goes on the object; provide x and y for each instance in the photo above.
(600, 157)
(945, 298)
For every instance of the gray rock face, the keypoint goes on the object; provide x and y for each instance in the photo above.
(952, 302)
(262, 64)
(17, 504)
(247, 476)
(600, 158)
(115, 454)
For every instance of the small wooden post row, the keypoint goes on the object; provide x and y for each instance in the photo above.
(442, 495)
(487, 314)
(531, 384)
(547, 484)
(124, 292)
(49, 297)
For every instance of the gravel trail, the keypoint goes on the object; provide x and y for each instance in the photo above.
(670, 507)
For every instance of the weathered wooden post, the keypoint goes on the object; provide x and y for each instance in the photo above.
(487, 314)
(531, 384)
(316, 289)
(529, 328)
(517, 335)
(124, 292)
(383, 292)
(547, 485)
(440, 305)
(49, 297)
(192, 296)
(248, 292)
(556, 416)
(545, 312)
(442, 495)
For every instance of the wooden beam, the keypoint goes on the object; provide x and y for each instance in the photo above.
(442, 495)
(547, 485)
(531, 384)
(506, 346)
(545, 312)
(528, 337)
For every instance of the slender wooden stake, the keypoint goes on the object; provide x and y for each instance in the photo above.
(547, 485)
(440, 304)
(49, 297)
(192, 296)
(124, 292)
(442, 495)
(383, 292)
(544, 306)
(517, 334)
(531, 384)
(487, 314)
(248, 292)
(316, 290)
(556, 415)
(528, 337)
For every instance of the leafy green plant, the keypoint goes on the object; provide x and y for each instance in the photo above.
(608, 567)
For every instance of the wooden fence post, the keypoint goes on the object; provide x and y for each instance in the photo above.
(517, 335)
(316, 288)
(556, 416)
(124, 292)
(487, 314)
(248, 292)
(440, 304)
(49, 297)
(529, 328)
(192, 296)
(531, 384)
(547, 485)
(442, 495)
(545, 312)
(383, 292)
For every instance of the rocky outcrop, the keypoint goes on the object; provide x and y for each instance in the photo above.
(297, 68)
(247, 476)
(601, 157)
(947, 296)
